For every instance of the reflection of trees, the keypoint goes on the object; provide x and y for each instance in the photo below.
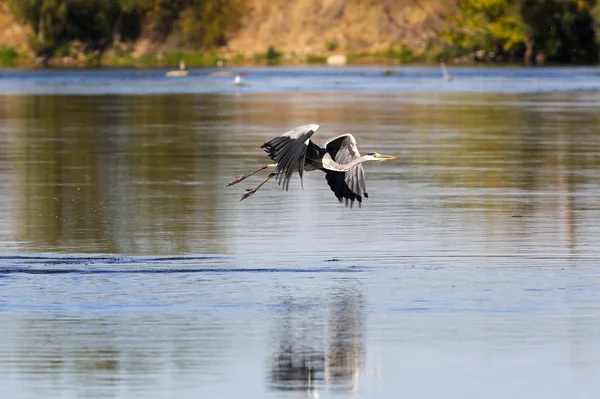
(511, 142)
(146, 173)
(116, 173)
(491, 155)
(7, 161)
(515, 154)
(319, 348)
(95, 356)
(172, 157)
(60, 196)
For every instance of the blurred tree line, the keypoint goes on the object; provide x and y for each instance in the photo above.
(98, 24)
(530, 31)
(561, 31)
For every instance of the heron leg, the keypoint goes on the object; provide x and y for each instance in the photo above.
(240, 178)
(251, 191)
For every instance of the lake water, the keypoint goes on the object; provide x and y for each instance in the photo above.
(128, 269)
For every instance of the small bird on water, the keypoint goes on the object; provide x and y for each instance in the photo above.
(180, 73)
(338, 158)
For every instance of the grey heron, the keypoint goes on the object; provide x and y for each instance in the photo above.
(338, 158)
(445, 74)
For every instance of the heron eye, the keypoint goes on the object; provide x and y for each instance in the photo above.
(371, 153)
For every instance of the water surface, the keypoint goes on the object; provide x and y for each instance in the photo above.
(128, 269)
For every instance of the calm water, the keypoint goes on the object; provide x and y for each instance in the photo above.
(128, 269)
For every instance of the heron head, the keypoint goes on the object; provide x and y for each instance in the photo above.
(375, 156)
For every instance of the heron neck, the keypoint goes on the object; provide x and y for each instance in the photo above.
(330, 164)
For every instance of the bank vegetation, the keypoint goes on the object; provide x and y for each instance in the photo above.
(258, 32)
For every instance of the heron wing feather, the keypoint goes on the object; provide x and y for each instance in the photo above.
(343, 149)
(348, 186)
(351, 185)
(288, 151)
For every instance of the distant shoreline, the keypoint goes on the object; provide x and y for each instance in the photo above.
(248, 33)
(203, 60)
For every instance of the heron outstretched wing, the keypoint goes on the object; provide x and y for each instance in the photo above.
(288, 151)
(343, 149)
(351, 185)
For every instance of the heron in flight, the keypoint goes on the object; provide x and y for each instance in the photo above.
(339, 159)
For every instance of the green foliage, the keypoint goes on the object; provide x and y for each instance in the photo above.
(489, 25)
(561, 30)
(273, 56)
(316, 59)
(203, 24)
(148, 60)
(238, 59)
(159, 17)
(192, 24)
(8, 57)
(564, 31)
(170, 59)
(403, 54)
(62, 50)
(191, 59)
(595, 13)
(56, 22)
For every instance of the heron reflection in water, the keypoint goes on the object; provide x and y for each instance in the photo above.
(339, 159)
(319, 345)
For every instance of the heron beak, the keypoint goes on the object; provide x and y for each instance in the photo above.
(385, 157)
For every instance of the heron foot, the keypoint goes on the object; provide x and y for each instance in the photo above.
(236, 180)
(249, 192)
(240, 178)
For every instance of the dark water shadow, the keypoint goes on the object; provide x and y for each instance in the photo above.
(72, 264)
(27, 270)
(69, 259)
